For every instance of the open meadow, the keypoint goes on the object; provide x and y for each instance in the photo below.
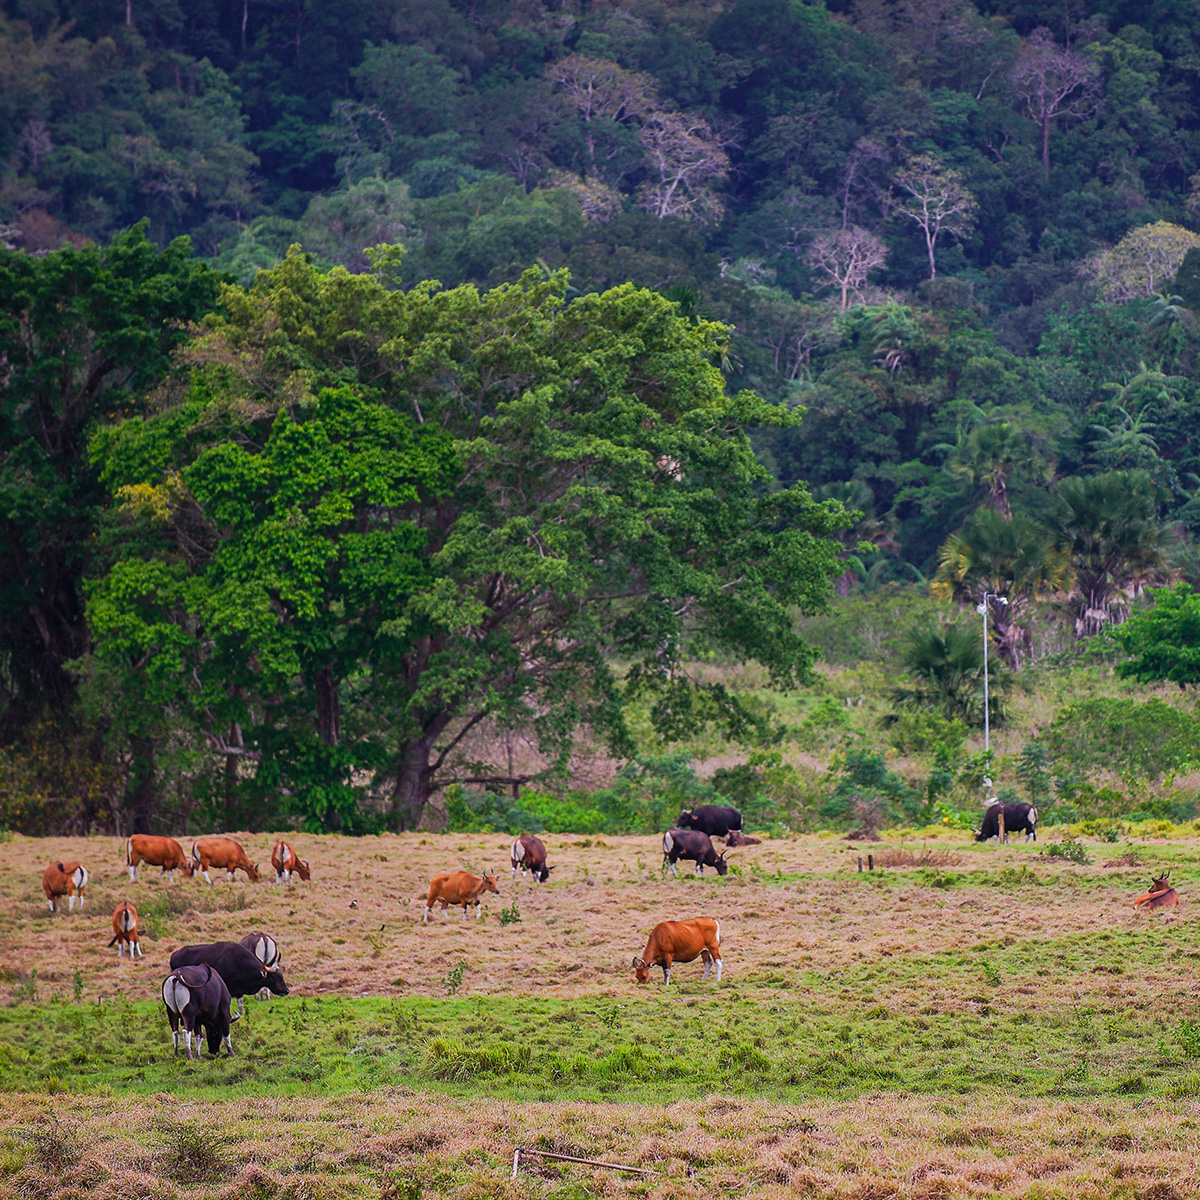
(966, 1020)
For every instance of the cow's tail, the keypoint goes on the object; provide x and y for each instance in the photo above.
(114, 942)
(127, 920)
(129, 851)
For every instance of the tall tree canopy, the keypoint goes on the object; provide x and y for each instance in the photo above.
(451, 511)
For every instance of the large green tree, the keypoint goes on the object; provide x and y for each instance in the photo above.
(84, 334)
(398, 520)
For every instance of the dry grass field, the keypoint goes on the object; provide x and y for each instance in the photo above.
(974, 1021)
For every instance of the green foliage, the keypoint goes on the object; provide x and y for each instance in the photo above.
(945, 664)
(1163, 642)
(868, 794)
(1135, 739)
(1068, 850)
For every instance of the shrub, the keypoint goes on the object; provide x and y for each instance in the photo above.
(1069, 850)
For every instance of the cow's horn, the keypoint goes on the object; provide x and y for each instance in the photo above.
(638, 962)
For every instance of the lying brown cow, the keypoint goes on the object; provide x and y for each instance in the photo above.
(459, 887)
(164, 852)
(1160, 895)
(680, 941)
(737, 838)
(65, 879)
(222, 852)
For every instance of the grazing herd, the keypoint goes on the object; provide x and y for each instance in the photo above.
(206, 979)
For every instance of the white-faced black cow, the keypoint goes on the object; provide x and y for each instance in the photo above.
(695, 846)
(198, 998)
(529, 854)
(1018, 818)
(238, 967)
(710, 819)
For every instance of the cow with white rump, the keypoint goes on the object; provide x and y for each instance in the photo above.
(265, 948)
(693, 845)
(125, 930)
(65, 879)
(529, 854)
(197, 998)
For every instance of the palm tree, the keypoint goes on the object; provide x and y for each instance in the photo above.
(868, 532)
(990, 455)
(946, 665)
(1014, 558)
(1108, 526)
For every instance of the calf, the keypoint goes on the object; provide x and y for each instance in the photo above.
(164, 852)
(711, 819)
(222, 852)
(125, 930)
(1160, 895)
(690, 844)
(198, 997)
(459, 887)
(528, 852)
(264, 947)
(288, 863)
(740, 839)
(1018, 817)
(680, 941)
(65, 879)
(238, 967)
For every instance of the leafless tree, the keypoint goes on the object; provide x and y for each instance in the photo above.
(1054, 81)
(865, 172)
(683, 156)
(847, 256)
(936, 198)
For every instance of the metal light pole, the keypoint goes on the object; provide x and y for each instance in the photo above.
(987, 730)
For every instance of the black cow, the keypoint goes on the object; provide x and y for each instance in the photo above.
(198, 997)
(1018, 817)
(694, 845)
(710, 819)
(266, 949)
(238, 967)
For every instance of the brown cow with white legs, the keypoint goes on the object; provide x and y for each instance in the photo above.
(65, 879)
(164, 852)
(125, 930)
(680, 941)
(459, 887)
(287, 863)
(222, 852)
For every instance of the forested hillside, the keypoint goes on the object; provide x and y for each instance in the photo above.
(959, 238)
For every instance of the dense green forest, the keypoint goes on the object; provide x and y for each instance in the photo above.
(950, 247)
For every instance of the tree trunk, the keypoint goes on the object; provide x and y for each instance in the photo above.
(329, 716)
(414, 783)
(140, 790)
(1046, 145)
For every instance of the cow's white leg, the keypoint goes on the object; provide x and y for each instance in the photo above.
(175, 1040)
(707, 968)
(121, 950)
(426, 916)
(81, 904)
(52, 905)
(666, 976)
(70, 904)
(699, 868)
(464, 914)
(171, 875)
(187, 1033)
(241, 1006)
(204, 872)
(138, 947)
(719, 964)
(228, 1039)
(478, 909)
(133, 874)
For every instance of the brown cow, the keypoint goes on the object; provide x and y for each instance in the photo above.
(164, 852)
(1160, 895)
(459, 887)
(287, 863)
(680, 941)
(737, 838)
(125, 930)
(528, 853)
(222, 852)
(65, 879)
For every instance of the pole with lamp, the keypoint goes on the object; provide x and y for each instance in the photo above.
(982, 609)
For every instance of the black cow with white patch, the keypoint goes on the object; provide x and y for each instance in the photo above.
(1019, 817)
(711, 819)
(243, 974)
(197, 998)
(695, 846)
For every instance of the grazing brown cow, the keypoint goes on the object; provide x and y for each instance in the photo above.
(164, 852)
(528, 853)
(1160, 895)
(736, 838)
(680, 941)
(125, 930)
(222, 852)
(65, 879)
(288, 863)
(459, 887)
